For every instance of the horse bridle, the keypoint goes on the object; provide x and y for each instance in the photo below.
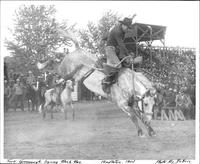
(141, 111)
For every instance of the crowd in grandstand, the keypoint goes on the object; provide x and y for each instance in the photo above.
(174, 68)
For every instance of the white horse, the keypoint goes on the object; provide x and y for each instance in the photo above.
(133, 92)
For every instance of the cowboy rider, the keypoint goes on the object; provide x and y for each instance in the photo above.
(115, 49)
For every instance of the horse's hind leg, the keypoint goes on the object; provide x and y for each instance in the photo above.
(52, 111)
(72, 107)
(65, 111)
(44, 107)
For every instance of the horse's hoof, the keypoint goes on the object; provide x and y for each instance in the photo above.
(140, 133)
(152, 133)
(142, 136)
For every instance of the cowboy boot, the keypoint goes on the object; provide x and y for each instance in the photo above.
(106, 84)
(108, 81)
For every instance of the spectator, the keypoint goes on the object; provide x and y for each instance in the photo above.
(179, 103)
(6, 95)
(11, 93)
(187, 106)
(5, 72)
(18, 92)
(11, 75)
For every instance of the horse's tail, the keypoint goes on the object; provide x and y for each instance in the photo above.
(69, 35)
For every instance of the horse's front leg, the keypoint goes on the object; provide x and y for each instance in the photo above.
(144, 120)
(134, 118)
(135, 115)
(147, 124)
(151, 132)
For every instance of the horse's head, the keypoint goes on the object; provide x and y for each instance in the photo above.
(146, 104)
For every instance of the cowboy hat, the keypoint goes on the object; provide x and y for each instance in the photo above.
(126, 21)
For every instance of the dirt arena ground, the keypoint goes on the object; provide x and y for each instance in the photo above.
(99, 131)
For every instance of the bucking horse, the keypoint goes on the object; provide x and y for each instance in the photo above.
(132, 91)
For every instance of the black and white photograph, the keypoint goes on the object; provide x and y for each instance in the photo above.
(107, 82)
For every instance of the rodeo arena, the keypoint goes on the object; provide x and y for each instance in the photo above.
(65, 108)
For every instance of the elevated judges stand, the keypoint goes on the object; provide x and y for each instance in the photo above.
(141, 33)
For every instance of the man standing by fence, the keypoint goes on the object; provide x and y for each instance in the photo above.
(179, 104)
(6, 95)
(18, 91)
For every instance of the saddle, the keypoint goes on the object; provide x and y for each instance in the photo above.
(111, 73)
(111, 76)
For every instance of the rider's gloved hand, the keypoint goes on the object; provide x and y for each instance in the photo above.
(127, 60)
(138, 59)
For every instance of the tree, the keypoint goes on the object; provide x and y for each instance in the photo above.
(91, 36)
(35, 36)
